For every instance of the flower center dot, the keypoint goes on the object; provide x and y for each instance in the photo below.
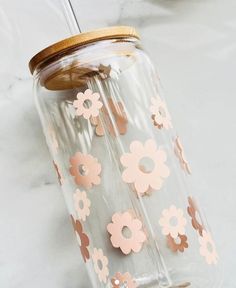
(162, 112)
(209, 247)
(146, 165)
(87, 104)
(83, 170)
(173, 221)
(81, 204)
(126, 232)
(100, 266)
(178, 240)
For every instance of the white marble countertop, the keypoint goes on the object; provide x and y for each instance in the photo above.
(193, 44)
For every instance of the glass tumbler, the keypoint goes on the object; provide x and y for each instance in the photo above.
(121, 166)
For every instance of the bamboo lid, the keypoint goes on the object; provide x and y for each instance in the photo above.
(80, 40)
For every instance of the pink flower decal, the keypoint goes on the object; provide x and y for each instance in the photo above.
(179, 245)
(87, 104)
(86, 169)
(193, 212)
(160, 115)
(141, 175)
(120, 117)
(82, 204)
(173, 222)
(123, 280)
(100, 263)
(99, 129)
(82, 239)
(126, 232)
(179, 152)
(208, 248)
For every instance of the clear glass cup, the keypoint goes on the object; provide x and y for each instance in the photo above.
(121, 165)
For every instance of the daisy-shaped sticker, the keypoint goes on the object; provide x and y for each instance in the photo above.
(145, 166)
(179, 152)
(208, 248)
(100, 263)
(87, 104)
(160, 115)
(126, 232)
(86, 169)
(82, 239)
(173, 222)
(82, 204)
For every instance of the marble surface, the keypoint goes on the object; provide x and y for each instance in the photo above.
(193, 45)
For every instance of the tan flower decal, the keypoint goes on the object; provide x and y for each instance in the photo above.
(87, 104)
(86, 169)
(100, 263)
(120, 119)
(208, 248)
(123, 280)
(173, 222)
(160, 115)
(82, 239)
(177, 244)
(99, 129)
(104, 71)
(126, 232)
(179, 152)
(59, 175)
(119, 114)
(82, 204)
(195, 215)
(154, 159)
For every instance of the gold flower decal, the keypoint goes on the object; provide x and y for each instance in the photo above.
(104, 71)
(193, 212)
(177, 244)
(82, 238)
(99, 129)
(179, 152)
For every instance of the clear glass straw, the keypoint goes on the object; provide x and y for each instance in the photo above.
(71, 18)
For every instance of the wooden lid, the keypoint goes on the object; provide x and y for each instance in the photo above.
(79, 40)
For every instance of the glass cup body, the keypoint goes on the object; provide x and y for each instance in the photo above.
(122, 169)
